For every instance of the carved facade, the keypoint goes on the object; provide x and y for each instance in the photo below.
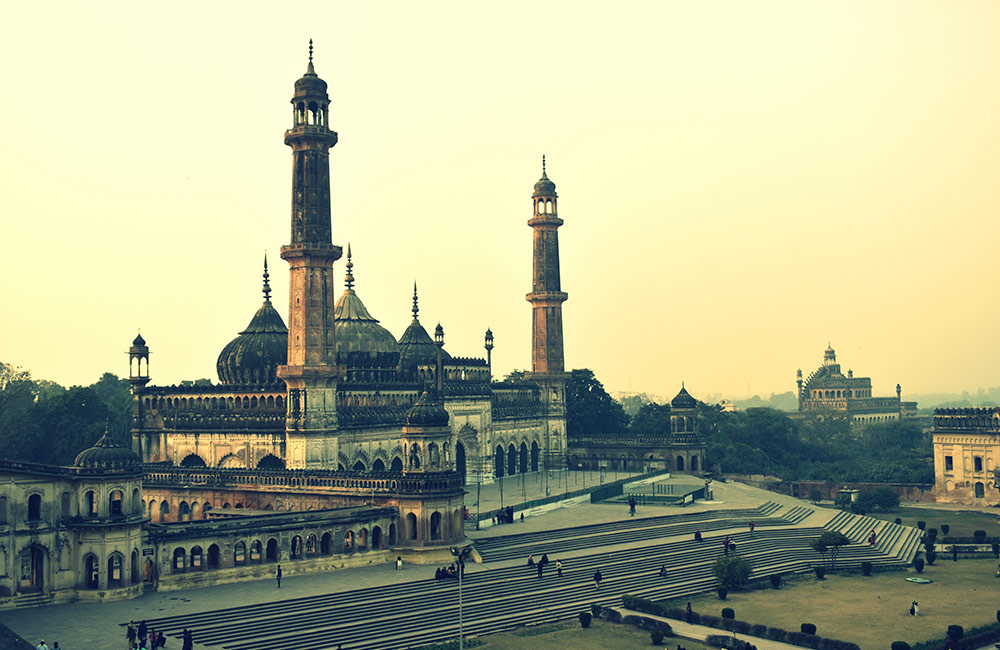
(966, 455)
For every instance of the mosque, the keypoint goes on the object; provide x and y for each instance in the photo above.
(327, 442)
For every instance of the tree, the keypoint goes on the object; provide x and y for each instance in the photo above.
(829, 542)
(731, 572)
(882, 498)
(651, 420)
(590, 411)
(515, 376)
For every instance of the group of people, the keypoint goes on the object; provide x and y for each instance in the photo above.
(444, 573)
(142, 637)
(506, 516)
(728, 546)
(540, 565)
(41, 645)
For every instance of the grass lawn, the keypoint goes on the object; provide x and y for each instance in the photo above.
(568, 634)
(874, 611)
(962, 522)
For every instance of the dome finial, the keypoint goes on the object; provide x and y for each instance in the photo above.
(309, 68)
(543, 167)
(415, 307)
(267, 284)
(349, 278)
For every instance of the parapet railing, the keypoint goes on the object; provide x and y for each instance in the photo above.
(378, 482)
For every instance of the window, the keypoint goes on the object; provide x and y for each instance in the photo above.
(977, 463)
(948, 466)
(34, 507)
(980, 490)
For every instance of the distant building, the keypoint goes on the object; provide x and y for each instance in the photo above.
(827, 392)
(966, 453)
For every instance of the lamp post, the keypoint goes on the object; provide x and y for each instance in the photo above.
(462, 554)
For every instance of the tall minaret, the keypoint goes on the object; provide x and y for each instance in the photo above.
(311, 373)
(546, 298)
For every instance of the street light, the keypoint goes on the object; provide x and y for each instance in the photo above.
(462, 554)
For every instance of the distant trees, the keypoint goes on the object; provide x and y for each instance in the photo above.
(651, 420)
(42, 422)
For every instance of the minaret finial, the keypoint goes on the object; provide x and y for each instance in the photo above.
(267, 284)
(349, 278)
(544, 175)
(309, 68)
(415, 307)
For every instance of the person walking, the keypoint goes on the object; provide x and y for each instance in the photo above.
(559, 568)
(130, 633)
(688, 612)
(954, 553)
(663, 570)
(597, 579)
(631, 506)
(871, 538)
(277, 574)
(751, 529)
(188, 640)
(540, 567)
(399, 562)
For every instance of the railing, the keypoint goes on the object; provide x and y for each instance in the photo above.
(248, 420)
(377, 482)
(969, 419)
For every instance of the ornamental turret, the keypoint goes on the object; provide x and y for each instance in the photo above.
(311, 372)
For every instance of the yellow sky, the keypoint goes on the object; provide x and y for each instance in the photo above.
(740, 181)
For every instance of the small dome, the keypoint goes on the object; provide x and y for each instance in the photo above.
(544, 187)
(361, 341)
(683, 400)
(426, 413)
(139, 341)
(253, 357)
(310, 84)
(416, 347)
(108, 455)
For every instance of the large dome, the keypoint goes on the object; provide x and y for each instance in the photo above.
(416, 348)
(426, 413)
(683, 400)
(108, 455)
(253, 357)
(367, 349)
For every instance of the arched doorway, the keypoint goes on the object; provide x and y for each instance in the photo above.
(272, 550)
(524, 458)
(534, 456)
(270, 462)
(376, 538)
(436, 525)
(694, 463)
(498, 462)
(397, 464)
(378, 465)
(512, 459)
(392, 534)
(213, 556)
(91, 575)
(680, 463)
(980, 490)
(134, 567)
(460, 460)
(33, 570)
(411, 526)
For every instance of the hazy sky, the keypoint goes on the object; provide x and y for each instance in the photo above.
(741, 182)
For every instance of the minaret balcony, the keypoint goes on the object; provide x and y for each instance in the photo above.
(311, 132)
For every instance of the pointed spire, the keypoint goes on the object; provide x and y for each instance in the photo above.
(349, 278)
(267, 284)
(415, 307)
(309, 69)
(543, 167)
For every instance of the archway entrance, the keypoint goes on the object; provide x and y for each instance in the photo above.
(524, 458)
(498, 463)
(680, 463)
(534, 456)
(460, 460)
(32, 570)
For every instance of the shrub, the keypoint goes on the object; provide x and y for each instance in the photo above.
(955, 632)
(921, 525)
(675, 613)
(718, 640)
(898, 521)
(585, 619)
(932, 533)
(866, 568)
(931, 556)
(776, 580)
(776, 634)
(731, 572)
(656, 636)
(900, 645)
(612, 616)
(820, 572)
(596, 610)
(728, 624)
(803, 639)
(727, 612)
(808, 628)
(723, 592)
(918, 564)
(742, 627)
(944, 529)
(815, 495)
(711, 621)
(980, 535)
(759, 630)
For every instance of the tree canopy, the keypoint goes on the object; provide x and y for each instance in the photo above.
(42, 422)
(590, 411)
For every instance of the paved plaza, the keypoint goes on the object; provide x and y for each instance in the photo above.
(321, 606)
